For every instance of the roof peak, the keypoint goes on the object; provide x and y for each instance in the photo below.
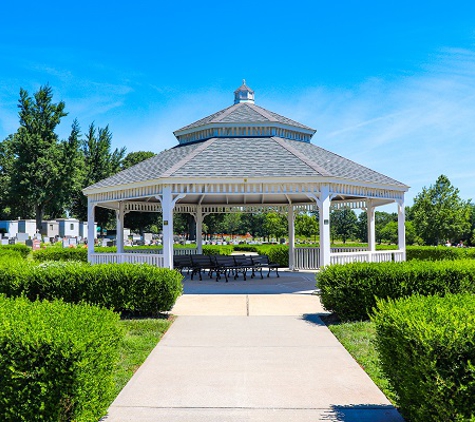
(244, 94)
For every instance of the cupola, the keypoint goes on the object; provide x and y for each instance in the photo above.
(243, 94)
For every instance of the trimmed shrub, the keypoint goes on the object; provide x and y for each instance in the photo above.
(438, 253)
(218, 249)
(136, 288)
(60, 254)
(10, 254)
(351, 290)
(278, 254)
(23, 250)
(426, 347)
(246, 248)
(57, 360)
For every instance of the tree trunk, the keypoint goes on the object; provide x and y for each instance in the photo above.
(39, 217)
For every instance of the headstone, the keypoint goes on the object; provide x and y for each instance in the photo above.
(22, 237)
(4, 241)
(36, 244)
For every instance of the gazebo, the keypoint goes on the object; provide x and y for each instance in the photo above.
(245, 158)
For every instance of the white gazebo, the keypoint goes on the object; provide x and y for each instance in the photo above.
(247, 159)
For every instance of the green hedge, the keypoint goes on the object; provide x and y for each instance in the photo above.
(218, 249)
(439, 253)
(23, 250)
(10, 254)
(278, 254)
(135, 288)
(60, 254)
(57, 361)
(351, 290)
(426, 347)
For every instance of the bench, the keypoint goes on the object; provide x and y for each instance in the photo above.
(200, 263)
(182, 262)
(262, 261)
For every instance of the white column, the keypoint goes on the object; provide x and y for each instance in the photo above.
(167, 208)
(120, 228)
(291, 237)
(199, 230)
(90, 229)
(401, 232)
(370, 213)
(324, 210)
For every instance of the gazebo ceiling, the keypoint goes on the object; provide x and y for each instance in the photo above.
(245, 155)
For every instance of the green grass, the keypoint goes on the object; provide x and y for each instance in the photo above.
(141, 336)
(358, 338)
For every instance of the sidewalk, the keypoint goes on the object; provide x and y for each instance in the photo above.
(250, 357)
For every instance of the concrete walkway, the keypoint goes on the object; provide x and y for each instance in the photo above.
(250, 351)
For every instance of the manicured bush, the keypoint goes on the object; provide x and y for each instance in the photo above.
(246, 248)
(57, 360)
(439, 253)
(10, 254)
(351, 290)
(218, 249)
(426, 347)
(278, 254)
(23, 250)
(136, 288)
(60, 254)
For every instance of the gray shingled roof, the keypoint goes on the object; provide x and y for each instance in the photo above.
(247, 157)
(244, 113)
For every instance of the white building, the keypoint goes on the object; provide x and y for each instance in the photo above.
(10, 227)
(68, 227)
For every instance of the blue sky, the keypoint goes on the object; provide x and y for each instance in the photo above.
(388, 84)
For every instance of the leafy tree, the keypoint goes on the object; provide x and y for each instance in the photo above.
(6, 163)
(343, 223)
(381, 220)
(99, 163)
(440, 214)
(141, 221)
(133, 158)
(275, 225)
(38, 175)
(306, 225)
(361, 231)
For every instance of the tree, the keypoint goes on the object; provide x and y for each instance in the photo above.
(276, 225)
(343, 223)
(37, 176)
(133, 158)
(306, 225)
(141, 221)
(381, 220)
(99, 163)
(361, 231)
(440, 214)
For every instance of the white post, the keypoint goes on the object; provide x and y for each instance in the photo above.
(291, 237)
(167, 208)
(120, 228)
(324, 209)
(90, 229)
(370, 214)
(401, 232)
(199, 230)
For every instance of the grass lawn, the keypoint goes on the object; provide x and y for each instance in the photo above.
(141, 336)
(358, 339)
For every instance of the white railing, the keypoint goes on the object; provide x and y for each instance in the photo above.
(133, 258)
(375, 256)
(309, 258)
(177, 251)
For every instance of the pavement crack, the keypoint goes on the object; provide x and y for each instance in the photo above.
(247, 305)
